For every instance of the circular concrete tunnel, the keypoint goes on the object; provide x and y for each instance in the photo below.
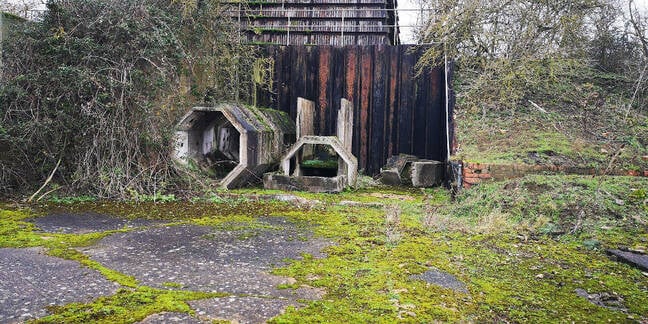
(236, 143)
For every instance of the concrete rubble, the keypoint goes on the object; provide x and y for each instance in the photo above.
(409, 170)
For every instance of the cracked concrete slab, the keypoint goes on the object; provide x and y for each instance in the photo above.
(85, 223)
(235, 260)
(169, 317)
(30, 281)
(243, 310)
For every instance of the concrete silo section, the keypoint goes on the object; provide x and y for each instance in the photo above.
(238, 143)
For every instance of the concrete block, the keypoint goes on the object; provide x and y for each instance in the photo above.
(396, 171)
(427, 173)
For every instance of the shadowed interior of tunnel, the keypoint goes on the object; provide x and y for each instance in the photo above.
(317, 160)
(214, 143)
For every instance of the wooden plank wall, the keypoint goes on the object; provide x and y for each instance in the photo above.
(396, 110)
(318, 22)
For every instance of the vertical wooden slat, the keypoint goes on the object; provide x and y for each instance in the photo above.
(350, 72)
(336, 88)
(312, 90)
(298, 73)
(393, 81)
(366, 77)
(436, 110)
(405, 104)
(378, 108)
(324, 75)
(283, 94)
(352, 56)
(419, 112)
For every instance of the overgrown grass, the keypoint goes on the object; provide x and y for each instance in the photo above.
(548, 205)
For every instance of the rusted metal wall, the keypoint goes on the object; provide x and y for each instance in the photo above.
(396, 109)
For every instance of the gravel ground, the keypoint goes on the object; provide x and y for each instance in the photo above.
(167, 317)
(206, 259)
(202, 258)
(240, 309)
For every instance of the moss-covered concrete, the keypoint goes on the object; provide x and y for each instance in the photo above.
(523, 248)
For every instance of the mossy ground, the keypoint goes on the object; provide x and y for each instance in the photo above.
(566, 138)
(522, 248)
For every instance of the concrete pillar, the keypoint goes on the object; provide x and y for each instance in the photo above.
(305, 117)
(305, 127)
(345, 124)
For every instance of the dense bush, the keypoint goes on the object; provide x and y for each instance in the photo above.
(94, 88)
(510, 52)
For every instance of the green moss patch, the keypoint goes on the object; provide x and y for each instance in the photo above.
(126, 306)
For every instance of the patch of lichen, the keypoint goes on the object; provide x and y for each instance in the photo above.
(126, 306)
